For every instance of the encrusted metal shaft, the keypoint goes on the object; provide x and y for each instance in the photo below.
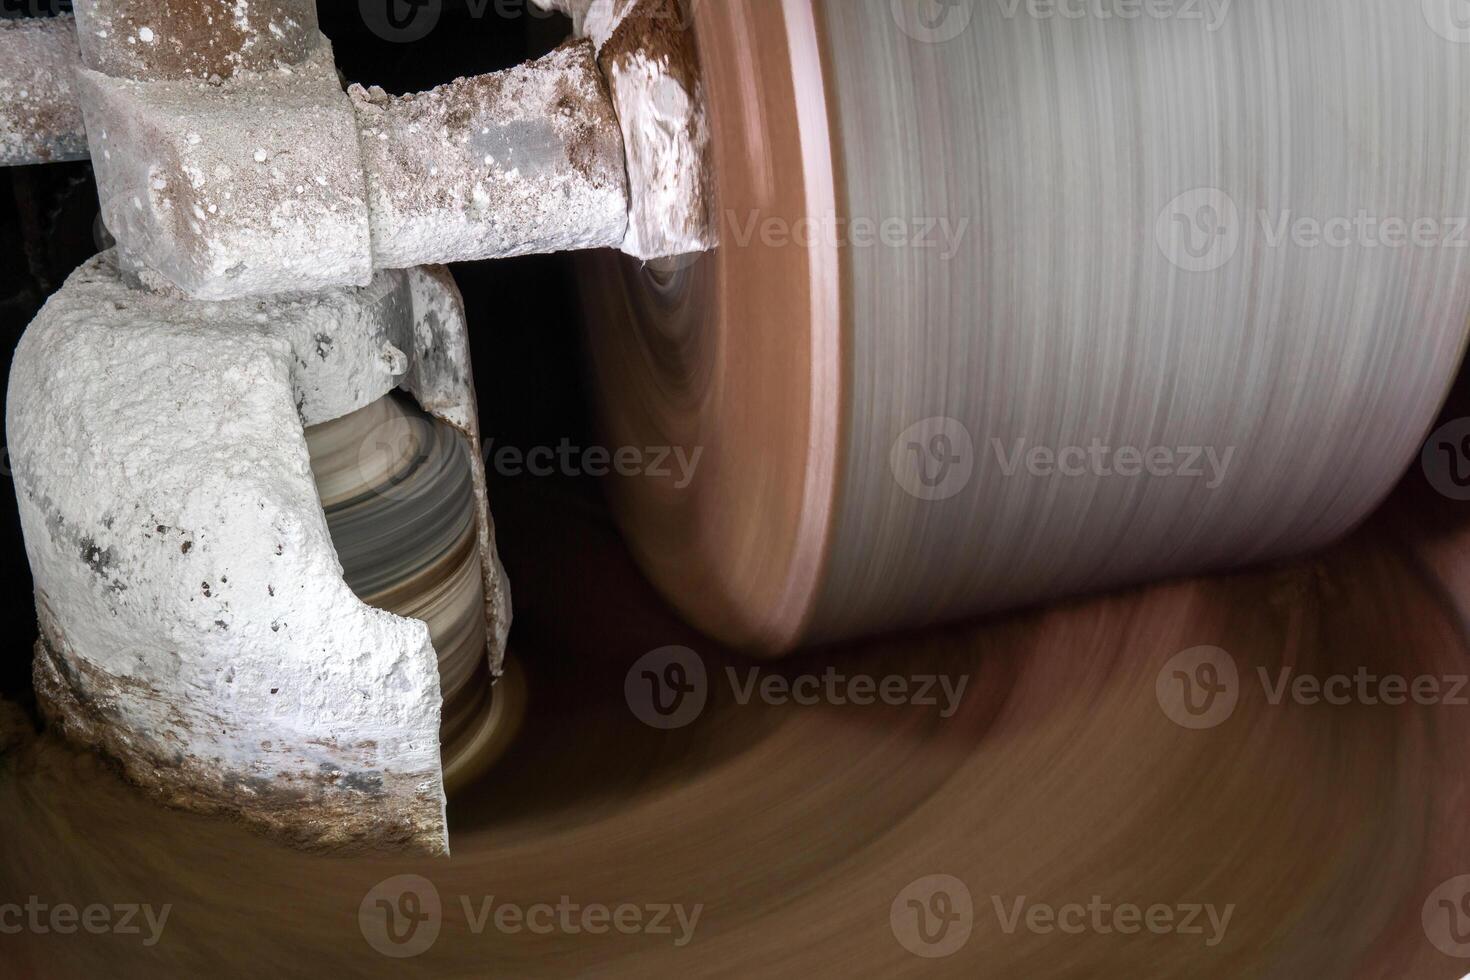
(520, 161)
(244, 169)
(230, 163)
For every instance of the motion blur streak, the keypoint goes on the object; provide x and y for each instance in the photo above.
(1059, 779)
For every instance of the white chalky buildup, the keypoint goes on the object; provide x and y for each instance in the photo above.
(534, 159)
(194, 620)
(40, 115)
(646, 53)
(195, 624)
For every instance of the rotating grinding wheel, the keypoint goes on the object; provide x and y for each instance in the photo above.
(397, 492)
(950, 241)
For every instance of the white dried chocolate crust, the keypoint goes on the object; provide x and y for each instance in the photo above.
(194, 621)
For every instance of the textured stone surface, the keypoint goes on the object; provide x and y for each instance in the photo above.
(279, 181)
(40, 111)
(521, 161)
(646, 51)
(441, 380)
(200, 39)
(268, 178)
(250, 187)
(195, 624)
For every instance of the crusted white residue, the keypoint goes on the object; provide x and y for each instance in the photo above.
(242, 147)
(665, 134)
(184, 573)
(524, 160)
(40, 112)
(646, 51)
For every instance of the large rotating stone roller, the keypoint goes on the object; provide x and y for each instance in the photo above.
(872, 258)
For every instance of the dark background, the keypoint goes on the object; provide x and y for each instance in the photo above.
(523, 313)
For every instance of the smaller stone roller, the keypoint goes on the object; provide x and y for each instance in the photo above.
(396, 487)
(202, 620)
